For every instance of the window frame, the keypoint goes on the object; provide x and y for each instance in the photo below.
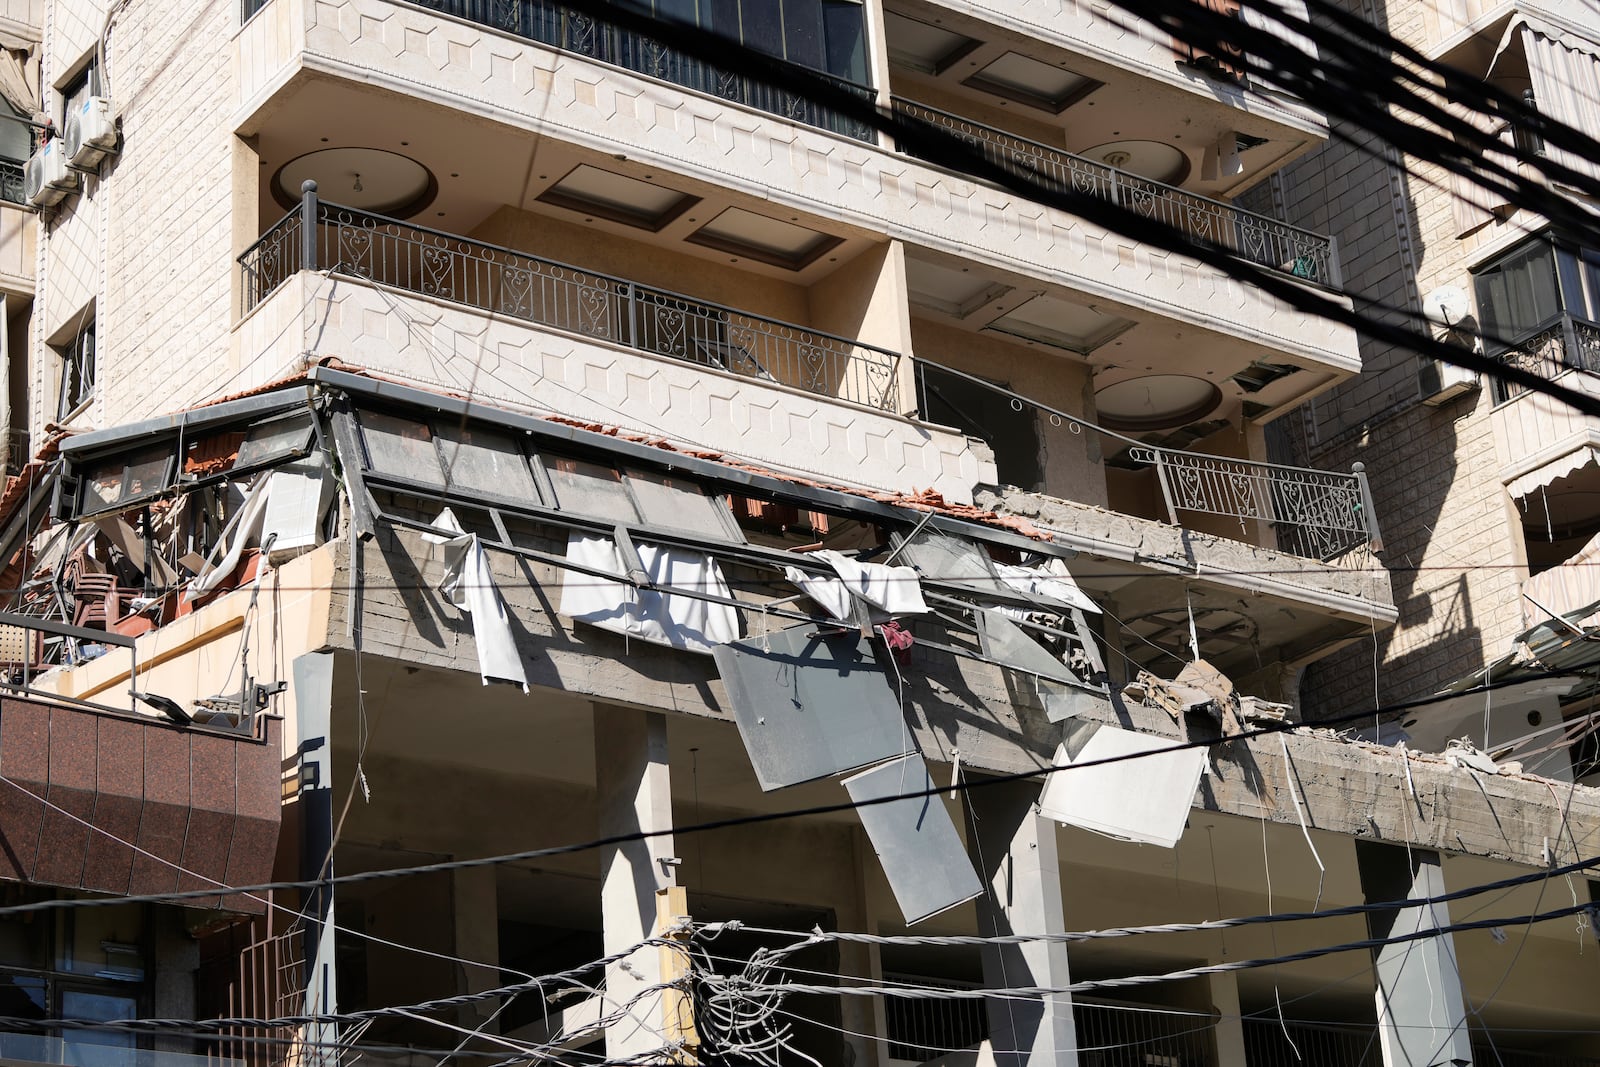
(74, 360)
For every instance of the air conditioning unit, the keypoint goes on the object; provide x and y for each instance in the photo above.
(90, 133)
(45, 177)
(1443, 382)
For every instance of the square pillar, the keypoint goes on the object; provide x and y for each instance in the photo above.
(1015, 851)
(1421, 1015)
(634, 794)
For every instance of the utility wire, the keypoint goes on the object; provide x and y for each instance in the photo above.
(756, 818)
(941, 993)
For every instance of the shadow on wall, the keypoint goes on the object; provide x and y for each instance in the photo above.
(1410, 450)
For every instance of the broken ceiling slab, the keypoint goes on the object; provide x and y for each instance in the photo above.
(810, 704)
(1144, 797)
(914, 837)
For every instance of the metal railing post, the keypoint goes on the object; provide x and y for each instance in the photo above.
(1369, 515)
(1166, 490)
(630, 308)
(308, 225)
(1571, 354)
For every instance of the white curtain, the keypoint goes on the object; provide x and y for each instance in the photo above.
(650, 614)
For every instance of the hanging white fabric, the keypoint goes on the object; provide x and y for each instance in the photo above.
(1050, 581)
(469, 585)
(245, 527)
(831, 594)
(654, 615)
(893, 590)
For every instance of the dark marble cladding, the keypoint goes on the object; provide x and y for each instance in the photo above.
(24, 778)
(202, 809)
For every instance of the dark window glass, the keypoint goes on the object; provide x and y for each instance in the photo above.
(1518, 294)
(722, 17)
(802, 32)
(846, 42)
(763, 25)
(681, 10)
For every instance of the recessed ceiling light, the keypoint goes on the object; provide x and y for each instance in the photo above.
(594, 192)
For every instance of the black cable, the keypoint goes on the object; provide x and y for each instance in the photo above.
(965, 785)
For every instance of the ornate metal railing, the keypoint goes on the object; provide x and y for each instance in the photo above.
(11, 182)
(273, 259)
(571, 30)
(1565, 344)
(1250, 236)
(505, 282)
(1305, 512)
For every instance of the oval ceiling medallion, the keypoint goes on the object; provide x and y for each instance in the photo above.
(1154, 160)
(1155, 402)
(372, 179)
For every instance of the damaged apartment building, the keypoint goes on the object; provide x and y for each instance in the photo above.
(824, 582)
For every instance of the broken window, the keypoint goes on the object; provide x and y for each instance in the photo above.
(122, 480)
(480, 460)
(275, 439)
(77, 373)
(591, 489)
(628, 495)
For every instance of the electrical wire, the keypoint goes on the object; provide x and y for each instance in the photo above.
(936, 993)
(731, 821)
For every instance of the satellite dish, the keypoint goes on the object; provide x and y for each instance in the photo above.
(1447, 306)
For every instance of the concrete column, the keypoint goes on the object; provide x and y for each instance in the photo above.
(633, 793)
(1015, 852)
(1229, 1032)
(313, 703)
(477, 930)
(1421, 1017)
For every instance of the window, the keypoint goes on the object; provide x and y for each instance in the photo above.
(76, 92)
(468, 458)
(77, 373)
(825, 35)
(1518, 294)
(90, 965)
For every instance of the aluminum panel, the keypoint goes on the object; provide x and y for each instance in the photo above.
(810, 704)
(921, 853)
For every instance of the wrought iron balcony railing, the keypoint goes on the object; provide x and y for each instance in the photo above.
(11, 182)
(1250, 236)
(1564, 344)
(498, 280)
(1310, 513)
(551, 23)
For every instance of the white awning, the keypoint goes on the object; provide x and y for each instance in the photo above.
(1565, 589)
(1560, 467)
